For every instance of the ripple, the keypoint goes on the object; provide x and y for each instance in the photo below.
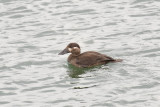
(124, 102)
(35, 88)
(33, 33)
(84, 87)
(29, 63)
(146, 86)
(6, 94)
(4, 102)
(81, 11)
(47, 33)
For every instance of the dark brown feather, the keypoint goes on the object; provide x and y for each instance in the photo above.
(86, 59)
(89, 59)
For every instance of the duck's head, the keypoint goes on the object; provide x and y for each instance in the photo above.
(73, 48)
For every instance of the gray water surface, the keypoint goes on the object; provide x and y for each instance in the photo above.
(33, 32)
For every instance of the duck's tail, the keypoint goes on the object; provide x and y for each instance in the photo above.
(118, 60)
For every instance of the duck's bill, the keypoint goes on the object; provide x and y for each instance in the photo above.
(65, 51)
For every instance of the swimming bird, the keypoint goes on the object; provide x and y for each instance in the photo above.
(86, 59)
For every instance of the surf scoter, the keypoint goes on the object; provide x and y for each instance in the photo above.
(86, 59)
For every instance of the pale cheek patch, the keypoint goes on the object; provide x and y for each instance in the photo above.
(69, 49)
(75, 47)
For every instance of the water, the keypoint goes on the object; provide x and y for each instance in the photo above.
(33, 32)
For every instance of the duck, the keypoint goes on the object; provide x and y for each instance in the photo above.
(87, 59)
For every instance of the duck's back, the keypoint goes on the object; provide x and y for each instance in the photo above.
(91, 58)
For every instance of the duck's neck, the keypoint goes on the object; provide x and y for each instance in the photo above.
(75, 55)
(72, 56)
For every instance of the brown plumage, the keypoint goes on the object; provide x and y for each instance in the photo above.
(86, 59)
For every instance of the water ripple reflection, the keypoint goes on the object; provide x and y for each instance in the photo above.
(33, 32)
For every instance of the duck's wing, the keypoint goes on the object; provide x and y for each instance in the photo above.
(91, 58)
